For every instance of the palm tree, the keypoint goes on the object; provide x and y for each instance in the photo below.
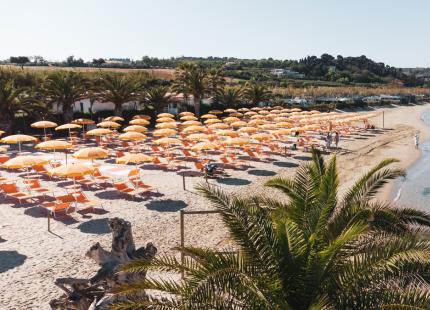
(158, 98)
(65, 88)
(192, 79)
(230, 97)
(312, 250)
(15, 98)
(119, 89)
(216, 80)
(255, 93)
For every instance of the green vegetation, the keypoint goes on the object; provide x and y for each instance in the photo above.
(309, 250)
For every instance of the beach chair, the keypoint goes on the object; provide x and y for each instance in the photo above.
(86, 182)
(81, 198)
(3, 159)
(97, 175)
(12, 191)
(34, 185)
(123, 188)
(137, 182)
(156, 161)
(55, 207)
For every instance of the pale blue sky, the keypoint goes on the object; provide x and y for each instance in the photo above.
(393, 31)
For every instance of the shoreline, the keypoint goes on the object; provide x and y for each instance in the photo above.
(401, 122)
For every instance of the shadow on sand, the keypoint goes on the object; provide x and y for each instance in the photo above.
(98, 226)
(10, 260)
(285, 164)
(167, 205)
(234, 181)
(261, 173)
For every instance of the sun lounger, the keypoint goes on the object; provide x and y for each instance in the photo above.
(56, 207)
(12, 191)
(81, 198)
(86, 182)
(97, 175)
(137, 182)
(34, 185)
(123, 188)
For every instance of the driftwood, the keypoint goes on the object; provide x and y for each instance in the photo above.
(94, 293)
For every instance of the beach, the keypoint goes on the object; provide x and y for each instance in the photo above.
(31, 258)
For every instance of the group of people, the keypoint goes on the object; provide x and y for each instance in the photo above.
(332, 137)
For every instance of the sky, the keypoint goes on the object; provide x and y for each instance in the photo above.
(395, 32)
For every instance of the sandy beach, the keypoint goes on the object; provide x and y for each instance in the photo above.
(31, 258)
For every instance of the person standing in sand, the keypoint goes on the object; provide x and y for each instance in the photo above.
(328, 140)
(336, 139)
(416, 140)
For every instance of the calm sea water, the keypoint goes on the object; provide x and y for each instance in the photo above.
(414, 189)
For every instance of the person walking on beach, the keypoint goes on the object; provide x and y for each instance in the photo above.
(416, 140)
(336, 139)
(328, 140)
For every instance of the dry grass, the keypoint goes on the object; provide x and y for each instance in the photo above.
(321, 91)
(165, 74)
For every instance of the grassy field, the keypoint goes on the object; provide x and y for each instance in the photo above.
(166, 74)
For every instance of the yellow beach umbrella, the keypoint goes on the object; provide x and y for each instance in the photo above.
(68, 127)
(231, 119)
(18, 139)
(186, 113)
(247, 130)
(204, 146)
(132, 136)
(250, 113)
(282, 132)
(256, 122)
(165, 132)
(99, 132)
(114, 119)
(284, 125)
(235, 141)
(192, 129)
(135, 128)
(166, 125)
(208, 116)
(212, 121)
(243, 110)
(230, 110)
(165, 120)
(188, 118)
(134, 158)
(91, 153)
(43, 125)
(162, 115)
(139, 121)
(226, 132)
(238, 124)
(71, 170)
(142, 116)
(108, 124)
(191, 123)
(168, 141)
(54, 145)
(25, 161)
(236, 114)
(83, 121)
(1, 132)
(258, 116)
(269, 126)
(198, 137)
(262, 137)
(215, 112)
(219, 126)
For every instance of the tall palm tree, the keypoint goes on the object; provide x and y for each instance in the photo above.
(119, 89)
(192, 79)
(312, 250)
(255, 93)
(230, 97)
(15, 98)
(216, 80)
(157, 97)
(65, 88)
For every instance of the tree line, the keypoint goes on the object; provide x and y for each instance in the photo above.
(36, 93)
(344, 70)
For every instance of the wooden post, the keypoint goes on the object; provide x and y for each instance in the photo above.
(383, 119)
(181, 220)
(49, 222)
(183, 181)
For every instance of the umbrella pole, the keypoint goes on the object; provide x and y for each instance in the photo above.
(19, 146)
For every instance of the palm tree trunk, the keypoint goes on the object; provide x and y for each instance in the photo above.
(196, 100)
(118, 110)
(67, 112)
